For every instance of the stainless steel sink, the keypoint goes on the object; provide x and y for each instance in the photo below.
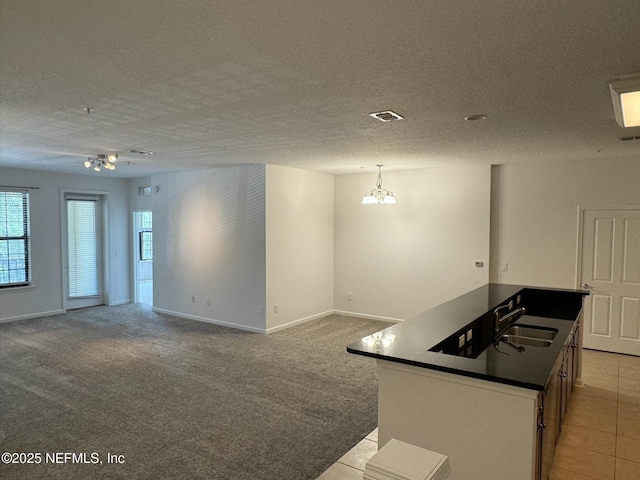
(540, 333)
(525, 341)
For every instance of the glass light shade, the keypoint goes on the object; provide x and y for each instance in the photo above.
(112, 158)
(87, 164)
(97, 167)
(378, 194)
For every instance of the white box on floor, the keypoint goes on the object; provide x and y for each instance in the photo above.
(402, 461)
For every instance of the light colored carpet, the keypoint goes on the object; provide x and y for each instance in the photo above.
(182, 399)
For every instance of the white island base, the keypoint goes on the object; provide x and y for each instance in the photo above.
(488, 430)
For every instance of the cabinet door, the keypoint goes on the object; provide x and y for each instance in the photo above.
(571, 349)
(564, 392)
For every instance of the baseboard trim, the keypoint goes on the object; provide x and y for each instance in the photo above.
(299, 321)
(277, 328)
(120, 302)
(210, 320)
(367, 316)
(31, 315)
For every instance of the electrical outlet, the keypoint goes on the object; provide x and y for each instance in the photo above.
(208, 301)
(275, 309)
(479, 264)
(510, 304)
(461, 341)
(193, 299)
(469, 335)
(518, 299)
(505, 267)
(349, 296)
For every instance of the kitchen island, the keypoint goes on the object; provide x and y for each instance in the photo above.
(452, 381)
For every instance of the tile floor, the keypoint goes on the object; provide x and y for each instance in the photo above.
(601, 434)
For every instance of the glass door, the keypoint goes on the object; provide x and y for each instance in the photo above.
(84, 251)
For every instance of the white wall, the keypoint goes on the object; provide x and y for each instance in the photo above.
(299, 245)
(400, 260)
(209, 243)
(534, 215)
(46, 296)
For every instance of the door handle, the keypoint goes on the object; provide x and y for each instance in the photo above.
(586, 286)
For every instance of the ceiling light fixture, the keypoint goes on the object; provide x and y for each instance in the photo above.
(386, 116)
(625, 93)
(378, 194)
(101, 160)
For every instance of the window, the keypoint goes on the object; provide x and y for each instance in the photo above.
(14, 239)
(146, 245)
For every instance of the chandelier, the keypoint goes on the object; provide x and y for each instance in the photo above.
(378, 194)
(100, 160)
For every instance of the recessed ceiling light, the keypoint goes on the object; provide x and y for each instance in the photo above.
(386, 116)
(141, 152)
(474, 118)
(625, 94)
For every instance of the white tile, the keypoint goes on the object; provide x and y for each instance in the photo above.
(338, 471)
(360, 454)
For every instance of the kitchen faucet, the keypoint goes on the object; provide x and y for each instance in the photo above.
(499, 320)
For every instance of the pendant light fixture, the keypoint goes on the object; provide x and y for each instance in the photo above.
(379, 195)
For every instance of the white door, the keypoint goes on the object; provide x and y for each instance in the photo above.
(83, 251)
(611, 271)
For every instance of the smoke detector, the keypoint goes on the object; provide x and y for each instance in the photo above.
(386, 116)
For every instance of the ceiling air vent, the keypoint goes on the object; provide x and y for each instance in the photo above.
(386, 116)
(629, 138)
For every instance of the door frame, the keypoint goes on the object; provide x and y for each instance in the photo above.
(106, 258)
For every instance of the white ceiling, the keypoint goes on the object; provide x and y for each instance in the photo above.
(291, 82)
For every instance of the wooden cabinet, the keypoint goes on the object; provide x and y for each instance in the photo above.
(555, 400)
(568, 373)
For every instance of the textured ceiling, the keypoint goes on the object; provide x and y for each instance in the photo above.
(292, 82)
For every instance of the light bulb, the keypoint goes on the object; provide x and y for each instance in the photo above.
(112, 158)
(87, 164)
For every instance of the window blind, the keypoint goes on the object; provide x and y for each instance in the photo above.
(14, 239)
(82, 248)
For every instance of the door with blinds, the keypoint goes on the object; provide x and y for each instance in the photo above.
(84, 251)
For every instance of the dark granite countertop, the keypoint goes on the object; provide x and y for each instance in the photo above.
(412, 342)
